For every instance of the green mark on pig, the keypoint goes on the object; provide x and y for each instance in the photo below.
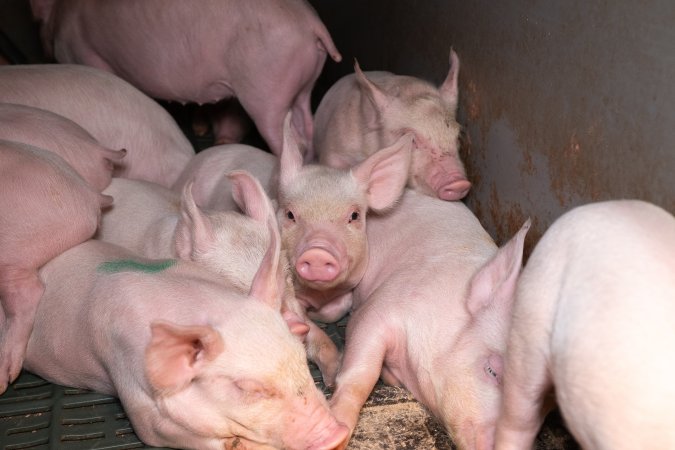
(129, 265)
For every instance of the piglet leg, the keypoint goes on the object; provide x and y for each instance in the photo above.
(365, 349)
(323, 352)
(20, 292)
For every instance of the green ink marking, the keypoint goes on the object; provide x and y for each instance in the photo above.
(129, 265)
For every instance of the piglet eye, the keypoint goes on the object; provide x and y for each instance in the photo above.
(490, 371)
(354, 216)
(290, 216)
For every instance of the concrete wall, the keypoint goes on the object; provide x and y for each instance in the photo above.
(562, 103)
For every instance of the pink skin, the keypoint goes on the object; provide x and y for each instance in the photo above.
(227, 374)
(317, 264)
(266, 53)
(593, 325)
(91, 161)
(365, 111)
(322, 214)
(115, 113)
(48, 209)
(211, 190)
(146, 220)
(431, 317)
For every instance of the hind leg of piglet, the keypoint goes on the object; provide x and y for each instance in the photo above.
(20, 292)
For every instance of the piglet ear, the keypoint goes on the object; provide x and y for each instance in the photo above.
(385, 173)
(375, 101)
(268, 282)
(250, 196)
(495, 282)
(178, 353)
(290, 161)
(449, 92)
(194, 232)
(378, 98)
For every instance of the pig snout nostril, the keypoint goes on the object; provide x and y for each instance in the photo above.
(317, 265)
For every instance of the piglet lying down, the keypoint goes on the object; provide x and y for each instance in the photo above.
(196, 364)
(47, 208)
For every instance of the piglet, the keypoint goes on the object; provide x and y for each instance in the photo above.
(266, 53)
(157, 223)
(429, 315)
(47, 208)
(53, 132)
(366, 111)
(322, 214)
(212, 190)
(196, 363)
(115, 113)
(594, 319)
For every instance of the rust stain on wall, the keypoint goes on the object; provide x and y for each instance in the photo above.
(508, 218)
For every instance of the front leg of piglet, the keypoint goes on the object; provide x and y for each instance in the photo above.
(365, 349)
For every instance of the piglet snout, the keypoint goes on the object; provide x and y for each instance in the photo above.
(317, 264)
(336, 439)
(454, 190)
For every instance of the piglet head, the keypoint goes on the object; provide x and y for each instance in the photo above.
(232, 244)
(410, 105)
(240, 378)
(322, 211)
(470, 395)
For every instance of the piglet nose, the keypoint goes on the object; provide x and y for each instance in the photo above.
(317, 264)
(454, 190)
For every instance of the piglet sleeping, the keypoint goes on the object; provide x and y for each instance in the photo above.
(366, 111)
(47, 208)
(53, 132)
(195, 363)
(430, 314)
(115, 113)
(594, 319)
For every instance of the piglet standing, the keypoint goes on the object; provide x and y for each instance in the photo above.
(322, 214)
(53, 132)
(195, 363)
(366, 111)
(431, 316)
(267, 53)
(594, 320)
(211, 189)
(47, 208)
(114, 112)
